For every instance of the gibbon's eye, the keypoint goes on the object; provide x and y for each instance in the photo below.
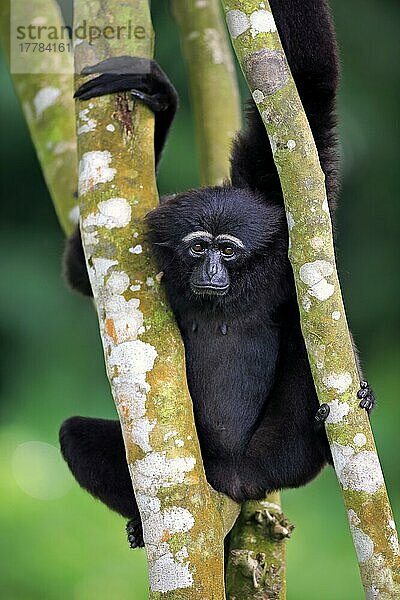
(198, 248)
(228, 251)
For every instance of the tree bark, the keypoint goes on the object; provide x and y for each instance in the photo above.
(45, 94)
(213, 87)
(322, 312)
(256, 568)
(183, 520)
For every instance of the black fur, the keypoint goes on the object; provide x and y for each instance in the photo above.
(247, 367)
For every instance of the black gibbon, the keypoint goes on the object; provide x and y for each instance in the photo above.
(224, 254)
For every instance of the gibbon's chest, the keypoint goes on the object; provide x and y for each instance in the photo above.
(230, 369)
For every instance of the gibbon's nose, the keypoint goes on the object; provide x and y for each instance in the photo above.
(212, 265)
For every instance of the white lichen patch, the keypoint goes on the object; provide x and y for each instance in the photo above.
(138, 249)
(317, 243)
(262, 21)
(290, 220)
(177, 520)
(141, 433)
(214, 43)
(132, 359)
(112, 213)
(182, 554)
(314, 274)
(149, 505)
(88, 124)
(179, 443)
(392, 524)
(123, 319)
(87, 127)
(306, 303)
(64, 146)
(338, 381)
(94, 169)
(118, 282)
(238, 22)
(363, 544)
(290, 145)
(273, 143)
(325, 206)
(150, 282)
(338, 410)
(73, 215)
(353, 517)
(193, 35)
(136, 287)
(258, 96)
(170, 434)
(336, 315)
(360, 440)
(341, 454)
(45, 98)
(394, 544)
(100, 268)
(166, 574)
(110, 127)
(360, 471)
(156, 471)
(372, 593)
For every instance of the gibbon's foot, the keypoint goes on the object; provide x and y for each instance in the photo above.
(321, 415)
(142, 77)
(366, 395)
(135, 533)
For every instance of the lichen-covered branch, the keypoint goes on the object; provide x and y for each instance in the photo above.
(213, 88)
(256, 568)
(45, 93)
(183, 528)
(214, 91)
(323, 318)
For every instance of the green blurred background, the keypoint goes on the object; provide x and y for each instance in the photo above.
(56, 542)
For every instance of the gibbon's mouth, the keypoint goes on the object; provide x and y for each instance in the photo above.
(209, 290)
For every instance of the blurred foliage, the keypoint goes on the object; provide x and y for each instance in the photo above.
(58, 543)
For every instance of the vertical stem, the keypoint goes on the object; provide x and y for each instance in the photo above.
(322, 313)
(258, 552)
(45, 93)
(213, 86)
(182, 524)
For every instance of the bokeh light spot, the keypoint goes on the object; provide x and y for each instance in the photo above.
(40, 471)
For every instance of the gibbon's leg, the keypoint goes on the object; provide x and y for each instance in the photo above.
(145, 80)
(95, 453)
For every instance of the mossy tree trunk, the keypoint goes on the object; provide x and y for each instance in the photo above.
(323, 318)
(256, 560)
(45, 94)
(182, 518)
(213, 86)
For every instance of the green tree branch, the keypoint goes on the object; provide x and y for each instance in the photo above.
(182, 518)
(45, 95)
(322, 311)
